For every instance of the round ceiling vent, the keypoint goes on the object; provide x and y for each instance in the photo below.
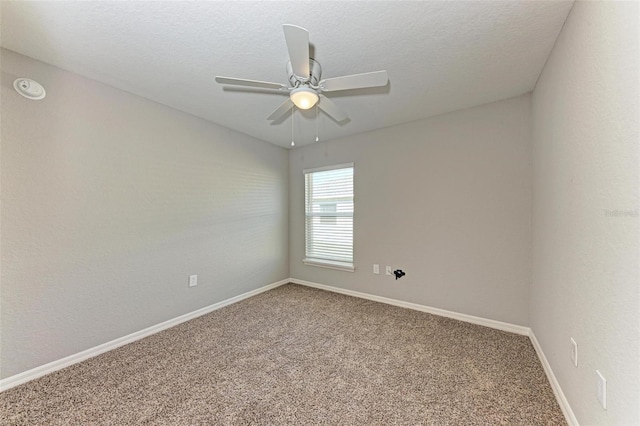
(29, 89)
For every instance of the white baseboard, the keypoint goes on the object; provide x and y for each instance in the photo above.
(557, 390)
(42, 370)
(517, 329)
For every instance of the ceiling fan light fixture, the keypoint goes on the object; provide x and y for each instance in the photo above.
(304, 97)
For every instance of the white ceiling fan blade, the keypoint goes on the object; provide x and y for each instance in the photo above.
(281, 110)
(355, 81)
(298, 44)
(332, 109)
(250, 83)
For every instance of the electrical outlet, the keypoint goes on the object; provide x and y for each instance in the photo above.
(388, 270)
(602, 390)
(193, 280)
(574, 352)
(376, 268)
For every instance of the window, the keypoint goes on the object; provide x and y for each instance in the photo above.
(329, 217)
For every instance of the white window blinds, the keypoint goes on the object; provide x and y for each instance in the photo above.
(329, 215)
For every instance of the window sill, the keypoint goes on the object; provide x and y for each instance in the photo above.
(340, 266)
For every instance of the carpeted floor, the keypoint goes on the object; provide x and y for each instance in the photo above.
(296, 355)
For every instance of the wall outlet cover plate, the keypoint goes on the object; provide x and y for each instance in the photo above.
(574, 352)
(602, 390)
(193, 280)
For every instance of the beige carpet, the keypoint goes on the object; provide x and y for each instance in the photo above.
(296, 355)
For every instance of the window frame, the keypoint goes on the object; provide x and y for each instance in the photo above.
(326, 263)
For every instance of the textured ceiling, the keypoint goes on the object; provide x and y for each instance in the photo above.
(440, 56)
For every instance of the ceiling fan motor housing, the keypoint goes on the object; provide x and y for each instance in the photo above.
(315, 72)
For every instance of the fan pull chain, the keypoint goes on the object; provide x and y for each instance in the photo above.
(317, 138)
(292, 142)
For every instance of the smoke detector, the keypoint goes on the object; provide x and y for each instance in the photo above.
(29, 89)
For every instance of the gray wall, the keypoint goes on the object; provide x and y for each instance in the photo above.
(110, 201)
(446, 199)
(585, 210)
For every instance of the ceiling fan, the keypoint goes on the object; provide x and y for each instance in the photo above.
(306, 87)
